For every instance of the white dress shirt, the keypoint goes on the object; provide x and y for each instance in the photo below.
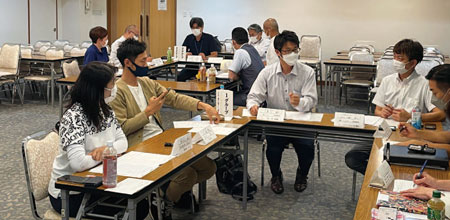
(403, 94)
(241, 60)
(152, 128)
(113, 56)
(262, 46)
(271, 57)
(274, 87)
(78, 138)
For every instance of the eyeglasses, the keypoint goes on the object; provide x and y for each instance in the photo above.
(296, 50)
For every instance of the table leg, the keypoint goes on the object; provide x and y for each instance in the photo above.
(131, 208)
(327, 74)
(60, 92)
(52, 82)
(245, 175)
(65, 204)
(158, 203)
(83, 206)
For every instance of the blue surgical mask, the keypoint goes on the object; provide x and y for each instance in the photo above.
(140, 70)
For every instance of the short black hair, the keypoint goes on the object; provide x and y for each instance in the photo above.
(89, 91)
(441, 74)
(196, 20)
(255, 27)
(239, 35)
(130, 49)
(97, 33)
(283, 38)
(412, 49)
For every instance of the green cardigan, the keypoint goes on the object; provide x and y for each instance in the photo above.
(132, 119)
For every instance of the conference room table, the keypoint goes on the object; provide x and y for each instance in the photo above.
(156, 70)
(51, 61)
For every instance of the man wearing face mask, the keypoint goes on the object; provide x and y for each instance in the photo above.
(131, 31)
(397, 96)
(246, 65)
(97, 51)
(137, 107)
(271, 29)
(198, 43)
(439, 81)
(289, 85)
(257, 40)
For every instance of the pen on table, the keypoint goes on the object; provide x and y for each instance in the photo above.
(404, 127)
(419, 176)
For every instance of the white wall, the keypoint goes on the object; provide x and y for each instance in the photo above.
(339, 23)
(73, 23)
(13, 21)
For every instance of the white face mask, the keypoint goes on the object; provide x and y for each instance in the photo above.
(135, 37)
(253, 39)
(112, 96)
(106, 43)
(291, 58)
(399, 66)
(196, 31)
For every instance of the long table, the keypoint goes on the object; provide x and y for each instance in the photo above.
(51, 61)
(324, 131)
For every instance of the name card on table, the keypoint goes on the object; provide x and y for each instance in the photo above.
(195, 58)
(348, 120)
(215, 60)
(224, 103)
(383, 176)
(180, 53)
(385, 133)
(204, 136)
(182, 144)
(157, 62)
(270, 114)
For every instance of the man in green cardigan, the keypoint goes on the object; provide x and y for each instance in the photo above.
(137, 107)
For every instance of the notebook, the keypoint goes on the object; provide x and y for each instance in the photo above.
(402, 203)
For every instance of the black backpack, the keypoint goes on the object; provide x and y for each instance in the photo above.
(229, 177)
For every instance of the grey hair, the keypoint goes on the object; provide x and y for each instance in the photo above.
(130, 28)
(255, 27)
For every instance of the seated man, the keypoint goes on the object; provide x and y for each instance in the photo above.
(198, 43)
(271, 29)
(137, 105)
(97, 51)
(290, 85)
(131, 31)
(246, 65)
(260, 43)
(397, 96)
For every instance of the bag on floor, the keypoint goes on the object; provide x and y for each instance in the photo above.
(229, 177)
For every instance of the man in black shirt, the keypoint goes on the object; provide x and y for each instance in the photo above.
(198, 43)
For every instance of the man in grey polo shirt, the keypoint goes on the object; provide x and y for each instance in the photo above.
(246, 64)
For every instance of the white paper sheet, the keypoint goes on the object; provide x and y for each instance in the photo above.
(218, 130)
(401, 185)
(222, 75)
(298, 116)
(392, 122)
(129, 186)
(190, 124)
(316, 117)
(348, 120)
(372, 120)
(246, 113)
(136, 164)
(270, 114)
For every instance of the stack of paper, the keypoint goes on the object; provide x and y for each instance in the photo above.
(136, 164)
(190, 124)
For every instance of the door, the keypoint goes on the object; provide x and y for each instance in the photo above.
(42, 20)
(121, 14)
(161, 32)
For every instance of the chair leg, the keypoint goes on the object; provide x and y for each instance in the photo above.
(354, 186)
(264, 145)
(48, 91)
(346, 94)
(192, 203)
(316, 142)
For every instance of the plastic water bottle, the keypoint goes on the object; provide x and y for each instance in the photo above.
(222, 87)
(436, 207)
(109, 166)
(169, 55)
(211, 75)
(416, 117)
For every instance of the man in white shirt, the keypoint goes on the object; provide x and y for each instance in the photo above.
(131, 31)
(246, 65)
(289, 85)
(397, 95)
(271, 29)
(257, 40)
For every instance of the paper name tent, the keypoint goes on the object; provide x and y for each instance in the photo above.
(136, 164)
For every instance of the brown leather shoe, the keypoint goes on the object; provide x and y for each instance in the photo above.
(276, 184)
(301, 182)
